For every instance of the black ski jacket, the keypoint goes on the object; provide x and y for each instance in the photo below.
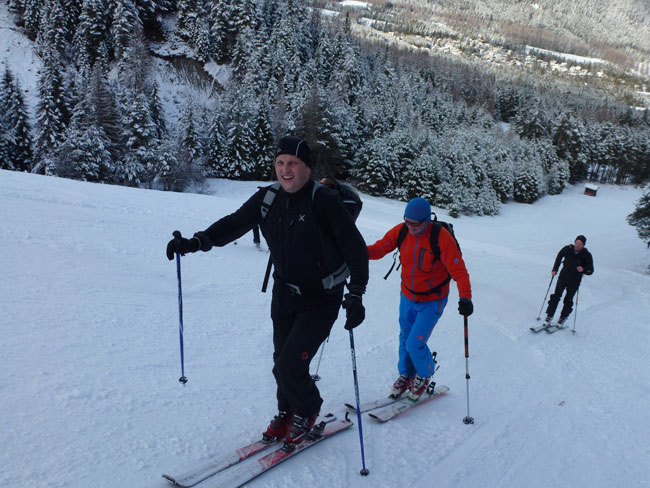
(308, 238)
(572, 260)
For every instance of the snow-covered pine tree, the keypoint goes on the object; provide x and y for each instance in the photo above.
(91, 36)
(219, 23)
(375, 167)
(189, 133)
(16, 129)
(262, 152)
(139, 156)
(170, 175)
(83, 156)
(239, 144)
(52, 113)
(53, 27)
(215, 151)
(126, 23)
(157, 110)
(640, 218)
(98, 108)
(31, 16)
(532, 123)
(529, 180)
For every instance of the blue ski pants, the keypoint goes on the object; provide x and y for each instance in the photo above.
(416, 322)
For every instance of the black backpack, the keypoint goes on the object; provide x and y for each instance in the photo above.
(348, 195)
(435, 248)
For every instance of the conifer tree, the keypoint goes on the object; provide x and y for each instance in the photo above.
(139, 156)
(53, 27)
(97, 107)
(157, 111)
(91, 39)
(84, 155)
(221, 32)
(262, 151)
(528, 181)
(239, 145)
(52, 113)
(18, 140)
(640, 218)
(126, 23)
(215, 152)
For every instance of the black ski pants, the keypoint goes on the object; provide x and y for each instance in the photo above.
(571, 286)
(300, 325)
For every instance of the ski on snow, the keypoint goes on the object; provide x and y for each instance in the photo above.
(246, 471)
(199, 473)
(397, 407)
(367, 406)
(540, 328)
(555, 327)
(550, 328)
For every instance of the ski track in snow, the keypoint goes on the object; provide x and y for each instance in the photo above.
(90, 395)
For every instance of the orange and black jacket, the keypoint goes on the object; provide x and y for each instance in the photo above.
(421, 271)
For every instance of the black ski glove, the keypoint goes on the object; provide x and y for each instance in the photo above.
(354, 310)
(465, 307)
(181, 245)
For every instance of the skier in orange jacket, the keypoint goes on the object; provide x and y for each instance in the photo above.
(424, 291)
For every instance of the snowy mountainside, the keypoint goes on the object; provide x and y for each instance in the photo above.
(90, 395)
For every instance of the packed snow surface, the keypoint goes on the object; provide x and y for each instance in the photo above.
(90, 348)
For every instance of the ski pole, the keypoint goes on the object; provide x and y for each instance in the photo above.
(576, 314)
(468, 420)
(177, 238)
(547, 290)
(364, 471)
(315, 376)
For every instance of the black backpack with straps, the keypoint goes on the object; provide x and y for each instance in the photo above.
(435, 248)
(349, 197)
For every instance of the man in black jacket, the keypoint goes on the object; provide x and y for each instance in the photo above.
(314, 247)
(577, 262)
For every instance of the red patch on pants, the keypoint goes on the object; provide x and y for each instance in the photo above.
(420, 338)
(304, 356)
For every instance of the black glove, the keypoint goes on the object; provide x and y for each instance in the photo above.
(354, 310)
(181, 245)
(465, 307)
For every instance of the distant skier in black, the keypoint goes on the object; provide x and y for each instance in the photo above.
(577, 262)
(256, 236)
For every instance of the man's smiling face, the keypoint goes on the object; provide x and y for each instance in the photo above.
(292, 172)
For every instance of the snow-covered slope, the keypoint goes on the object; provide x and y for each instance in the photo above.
(90, 349)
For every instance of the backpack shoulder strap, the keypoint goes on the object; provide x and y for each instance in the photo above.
(400, 239)
(269, 198)
(433, 237)
(402, 235)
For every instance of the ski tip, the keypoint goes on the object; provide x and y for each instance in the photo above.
(440, 389)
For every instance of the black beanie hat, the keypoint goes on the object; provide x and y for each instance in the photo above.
(582, 238)
(295, 146)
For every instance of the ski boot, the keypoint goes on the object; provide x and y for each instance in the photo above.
(278, 427)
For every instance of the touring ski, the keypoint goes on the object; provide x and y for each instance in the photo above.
(555, 327)
(540, 328)
(396, 408)
(199, 473)
(250, 469)
(367, 406)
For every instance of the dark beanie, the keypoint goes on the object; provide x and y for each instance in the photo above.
(295, 146)
(582, 238)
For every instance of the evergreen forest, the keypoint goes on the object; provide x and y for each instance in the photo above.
(395, 121)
